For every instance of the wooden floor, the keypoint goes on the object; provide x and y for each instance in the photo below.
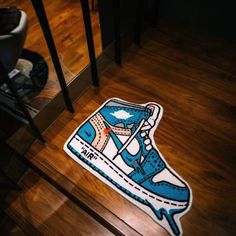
(42, 210)
(193, 77)
(66, 23)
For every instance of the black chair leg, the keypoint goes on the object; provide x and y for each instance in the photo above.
(42, 17)
(90, 42)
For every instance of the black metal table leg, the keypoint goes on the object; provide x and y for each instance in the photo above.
(42, 17)
(90, 42)
(21, 104)
(117, 31)
(138, 22)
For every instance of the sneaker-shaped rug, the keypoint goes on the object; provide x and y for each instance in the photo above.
(116, 144)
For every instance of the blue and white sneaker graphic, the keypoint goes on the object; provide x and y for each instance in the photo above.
(116, 144)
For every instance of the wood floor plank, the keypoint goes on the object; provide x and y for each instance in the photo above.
(9, 227)
(41, 210)
(215, 51)
(197, 134)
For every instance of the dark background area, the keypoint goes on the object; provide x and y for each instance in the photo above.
(216, 17)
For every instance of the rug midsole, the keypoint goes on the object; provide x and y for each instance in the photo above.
(107, 169)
